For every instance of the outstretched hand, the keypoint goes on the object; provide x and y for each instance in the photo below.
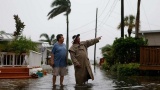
(99, 37)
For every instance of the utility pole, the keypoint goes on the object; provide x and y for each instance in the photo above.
(122, 18)
(137, 18)
(95, 37)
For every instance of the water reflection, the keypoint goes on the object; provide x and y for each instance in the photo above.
(103, 81)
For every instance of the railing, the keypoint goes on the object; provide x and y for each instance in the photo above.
(150, 55)
(11, 59)
(33, 59)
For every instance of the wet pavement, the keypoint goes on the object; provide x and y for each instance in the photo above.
(102, 81)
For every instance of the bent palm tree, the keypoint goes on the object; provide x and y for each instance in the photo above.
(130, 22)
(50, 40)
(60, 6)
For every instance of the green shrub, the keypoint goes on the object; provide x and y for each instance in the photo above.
(130, 69)
(3, 46)
(69, 62)
(114, 67)
(105, 66)
(126, 50)
(20, 45)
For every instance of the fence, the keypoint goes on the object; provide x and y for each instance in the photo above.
(14, 60)
(150, 57)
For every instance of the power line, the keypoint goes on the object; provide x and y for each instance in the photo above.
(110, 11)
(82, 26)
(104, 8)
(146, 17)
(130, 5)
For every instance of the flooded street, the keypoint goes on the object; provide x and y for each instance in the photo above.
(103, 81)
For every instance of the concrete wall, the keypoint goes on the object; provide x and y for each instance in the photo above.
(153, 38)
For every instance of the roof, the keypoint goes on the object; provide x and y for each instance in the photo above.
(6, 36)
(148, 31)
(9, 37)
(46, 44)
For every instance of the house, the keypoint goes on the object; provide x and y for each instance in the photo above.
(152, 36)
(6, 37)
(45, 50)
(150, 55)
(19, 66)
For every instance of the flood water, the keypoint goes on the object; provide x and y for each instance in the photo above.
(103, 81)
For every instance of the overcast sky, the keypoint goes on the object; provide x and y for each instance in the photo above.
(81, 19)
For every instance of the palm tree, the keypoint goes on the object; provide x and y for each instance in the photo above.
(137, 18)
(50, 40)
(130, 22)
(60, 6)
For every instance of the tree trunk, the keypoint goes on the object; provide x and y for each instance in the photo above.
(137, 18)
(129, 32)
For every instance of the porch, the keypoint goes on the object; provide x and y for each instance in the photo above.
(14, 65)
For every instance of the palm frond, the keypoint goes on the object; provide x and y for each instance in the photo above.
(58, 3)
(56, 11)
(131, 19)
(68, 11)
(45, 35)
(52, 37)
(126, 18)
(60, 6)
(54, 41)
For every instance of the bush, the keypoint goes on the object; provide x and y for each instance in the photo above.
(114, 68)
(69, 62)
(105, 66)
(130, 69)
(126, 50)
(21, 45)
(3, 46)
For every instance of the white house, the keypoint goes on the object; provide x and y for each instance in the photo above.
(34, 59)
(153, 36)
(6, 36)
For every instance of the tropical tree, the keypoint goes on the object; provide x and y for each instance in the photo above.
(51, 40)
(107, 54)
(19, 26)
(60, 6)
(129, 21)
(137, 18)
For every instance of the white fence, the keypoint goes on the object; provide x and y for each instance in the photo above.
(12, 59)
(34, 59)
